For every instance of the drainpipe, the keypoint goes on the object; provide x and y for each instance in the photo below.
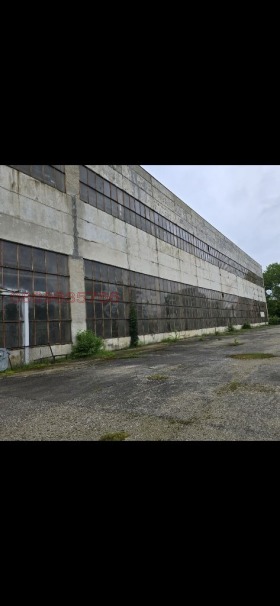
(25, 329)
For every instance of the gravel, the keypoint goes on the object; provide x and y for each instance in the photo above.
(206, 395)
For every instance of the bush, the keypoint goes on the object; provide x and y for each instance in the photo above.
(133, 326)
(231, 328)
(274, 320)
(246, 325)
(87, 344)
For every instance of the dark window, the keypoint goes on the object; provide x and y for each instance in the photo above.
(53, 175)
(32, 277)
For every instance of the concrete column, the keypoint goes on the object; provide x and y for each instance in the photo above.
(72, 179)
(77, 285)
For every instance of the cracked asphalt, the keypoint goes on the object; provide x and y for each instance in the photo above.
(196, 393)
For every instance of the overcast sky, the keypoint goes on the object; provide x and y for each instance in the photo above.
(243, 202)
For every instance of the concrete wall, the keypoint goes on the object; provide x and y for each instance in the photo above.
(37, 214)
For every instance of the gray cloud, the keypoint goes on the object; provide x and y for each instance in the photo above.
(243, 202)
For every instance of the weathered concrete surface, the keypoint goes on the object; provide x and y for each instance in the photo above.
(206, 396)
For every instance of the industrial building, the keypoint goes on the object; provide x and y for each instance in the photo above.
(79, 244)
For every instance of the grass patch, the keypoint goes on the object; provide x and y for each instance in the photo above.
(183, 421)
(230, 387)
(234, 385)
(170, 340)
(157, 377)
(118, 436)
(38, 365)
(252, 356)
(246, 325)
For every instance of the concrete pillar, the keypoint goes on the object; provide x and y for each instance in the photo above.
(72, 179)
(77, 287)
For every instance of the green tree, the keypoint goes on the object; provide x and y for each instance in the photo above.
(271, 278)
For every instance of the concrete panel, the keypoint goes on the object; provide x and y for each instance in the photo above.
(77, 284)
(18, 230)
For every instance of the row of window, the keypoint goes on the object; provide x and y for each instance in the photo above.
(33, 259)
(108, 329)
(40, 333)
(110, 199)
(51, 174)
(120, 311)
(100, 277)
(177, 307)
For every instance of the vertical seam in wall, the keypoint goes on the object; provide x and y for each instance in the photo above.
(75, 228)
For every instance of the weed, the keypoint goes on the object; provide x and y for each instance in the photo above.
(236, 343)
(246, 325)
(114, 437)
(170, 339)
(157, 377)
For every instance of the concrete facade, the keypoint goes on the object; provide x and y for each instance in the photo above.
(107, 231)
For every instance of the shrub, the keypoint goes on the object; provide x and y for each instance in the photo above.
(133, 326)
(246, 325)
(274, 320)
(87, 344)
(231, 328)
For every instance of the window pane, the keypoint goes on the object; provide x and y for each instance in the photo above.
(49, 174)
(9, 254)
(41, 333)
(59, 181)
(65, 332)
(83, 174)
(26, 280)
(62, 264)
(37, 171)
(51, 263)
(99, 328)
(65, 309)
(92, 197)
(89, 310)
(54, 332)
(52, 284)
(39, 282)
(38, 259)
(107, 189)
(98, 310)
(120, 196)
(115, 332)
(114, 192)
(40, 309)
(84, 192)
(99, 184)
(91, 179)
(53, 309)
(11, 310)
(107, 329)
(10, 278)
(13, 336)
(88, 269)
(25, 257)
(63, 285)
